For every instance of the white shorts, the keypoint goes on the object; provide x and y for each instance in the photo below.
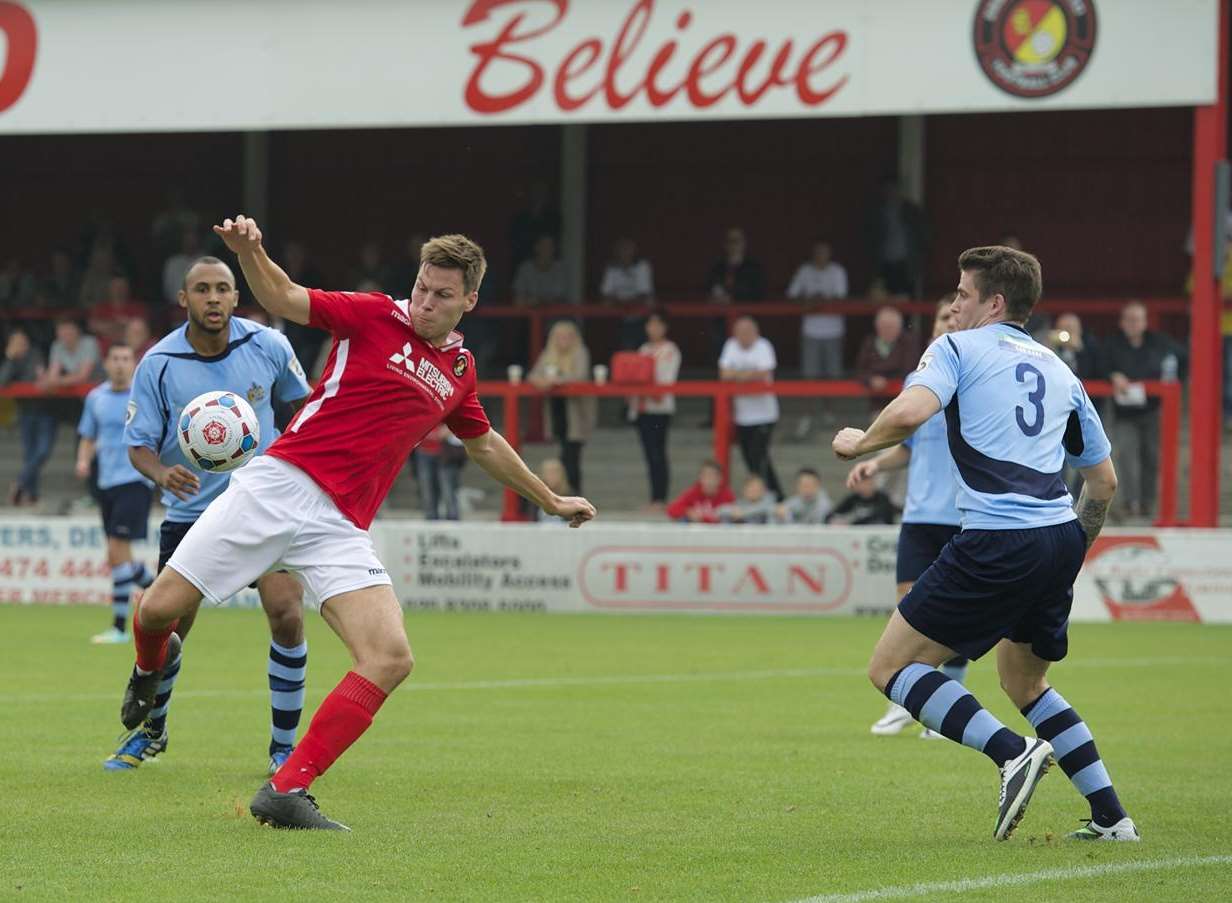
(274, 516)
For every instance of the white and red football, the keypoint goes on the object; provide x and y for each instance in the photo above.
(218, 431)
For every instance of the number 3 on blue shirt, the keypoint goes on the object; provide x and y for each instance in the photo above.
(1036, 398)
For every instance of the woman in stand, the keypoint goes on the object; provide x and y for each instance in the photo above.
(565, 359)
(653, 414)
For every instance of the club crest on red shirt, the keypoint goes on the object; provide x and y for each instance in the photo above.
(459, 365)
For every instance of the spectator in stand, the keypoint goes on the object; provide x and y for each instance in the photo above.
(170, 223)
(756, 504)
(565, 359)
(438, 462)
(820, 279)
(37, 423)
(810, 505)
(137, 337)
(541, 279)
(897, 239)
(1131, 357)
(628, 281)
(735, 276)
(552, 472)
(403, 272)
(888, 354)
(75, 359)
(62, 287)
(700, 503)
(653, 415)
(96, 280)
(540, 217)
(17, 286)
(307, 342)
(867, 504)
(108, 319)
(748, 357)
(1081, 354)
(373, 272)
(176, 266)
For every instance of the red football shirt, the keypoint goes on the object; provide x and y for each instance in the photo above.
(382, 391)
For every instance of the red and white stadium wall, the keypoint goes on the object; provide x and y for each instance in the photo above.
(1143, 574)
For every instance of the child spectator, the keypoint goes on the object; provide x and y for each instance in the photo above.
(867, 504)
(756, 504)
(810, 504)
(699, 503)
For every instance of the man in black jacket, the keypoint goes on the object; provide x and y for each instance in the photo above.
(1130, 357)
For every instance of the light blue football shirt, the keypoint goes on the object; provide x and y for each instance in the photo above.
(258, 364)
(1014, 414)
(102, 421)
(932, 494)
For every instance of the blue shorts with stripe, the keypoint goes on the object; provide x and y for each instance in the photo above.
(918, 547)
(987, 585)
(126, 510)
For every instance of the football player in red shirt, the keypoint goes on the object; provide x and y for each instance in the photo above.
(395, 372)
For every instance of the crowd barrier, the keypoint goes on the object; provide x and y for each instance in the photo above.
(1144, 574)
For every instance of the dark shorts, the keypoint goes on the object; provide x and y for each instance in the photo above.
(170, 535)
(918, 547)
(126, 510)
(987, 585)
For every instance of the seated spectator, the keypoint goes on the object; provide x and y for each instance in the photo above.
(109, 318)
(438, 463)
(95, 282)
(629, 281)
(23, 363)
(888, 354)
(756, 504)
(735, 276)
(170, 223)
(553, 474)
(1081, 354)
(819, 279)
(542, 279)
(565, 359)
(74, 360)
(176, 266)
(867, 504)
(653, 415)
(372, 271)
(700, 503)
(748, 357)
(810, 504)
(17, 286)
(1132, 356)
(62, 285)
(137, 337)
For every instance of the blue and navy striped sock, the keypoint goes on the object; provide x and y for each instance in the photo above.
(1075, 750)
(956, 669)
(288, 668)
(123, 576)
(156, 721)
(945, 706)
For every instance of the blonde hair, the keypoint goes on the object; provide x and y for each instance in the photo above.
(566, 361)
(456, 252)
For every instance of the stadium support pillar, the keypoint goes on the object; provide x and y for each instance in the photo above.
(256, 176)
(573, 208)
(1205, 382)
(911, 157)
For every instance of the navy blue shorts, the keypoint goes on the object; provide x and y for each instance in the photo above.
(126, 510)
(918, 547)
(992, 584)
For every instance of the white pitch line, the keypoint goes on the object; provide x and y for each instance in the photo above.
(1071, 873)
(597, 680)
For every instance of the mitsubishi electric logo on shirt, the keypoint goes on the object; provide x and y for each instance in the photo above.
(425, 372)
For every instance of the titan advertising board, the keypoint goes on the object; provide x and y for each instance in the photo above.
(136, 65)
(1175, 575)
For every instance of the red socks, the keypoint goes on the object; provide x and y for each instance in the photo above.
(151, 645)
(344, 714)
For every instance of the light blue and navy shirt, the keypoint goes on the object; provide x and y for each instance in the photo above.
(102, 422)
(932, 494)
(258, 364)
(1014, 413)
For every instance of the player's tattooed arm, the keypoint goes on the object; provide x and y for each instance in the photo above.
(1091, 514)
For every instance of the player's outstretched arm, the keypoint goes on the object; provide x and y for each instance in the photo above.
(491, 452)
(270, 285)
(893, 458)
(898, 420)
(1099, 485)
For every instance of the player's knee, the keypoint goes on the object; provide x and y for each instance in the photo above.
(286, 623)
(879, 674)
(390, 665)
(1022, 689)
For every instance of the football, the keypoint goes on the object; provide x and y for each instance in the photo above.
(218, 431)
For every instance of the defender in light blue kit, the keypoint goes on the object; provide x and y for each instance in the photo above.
(123, 494)
(1015, 414)
(215, 351)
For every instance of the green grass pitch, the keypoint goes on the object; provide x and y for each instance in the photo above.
(557, 757)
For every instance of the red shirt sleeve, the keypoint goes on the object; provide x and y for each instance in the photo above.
(686, 500)
(468, 421)
(343, 313)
